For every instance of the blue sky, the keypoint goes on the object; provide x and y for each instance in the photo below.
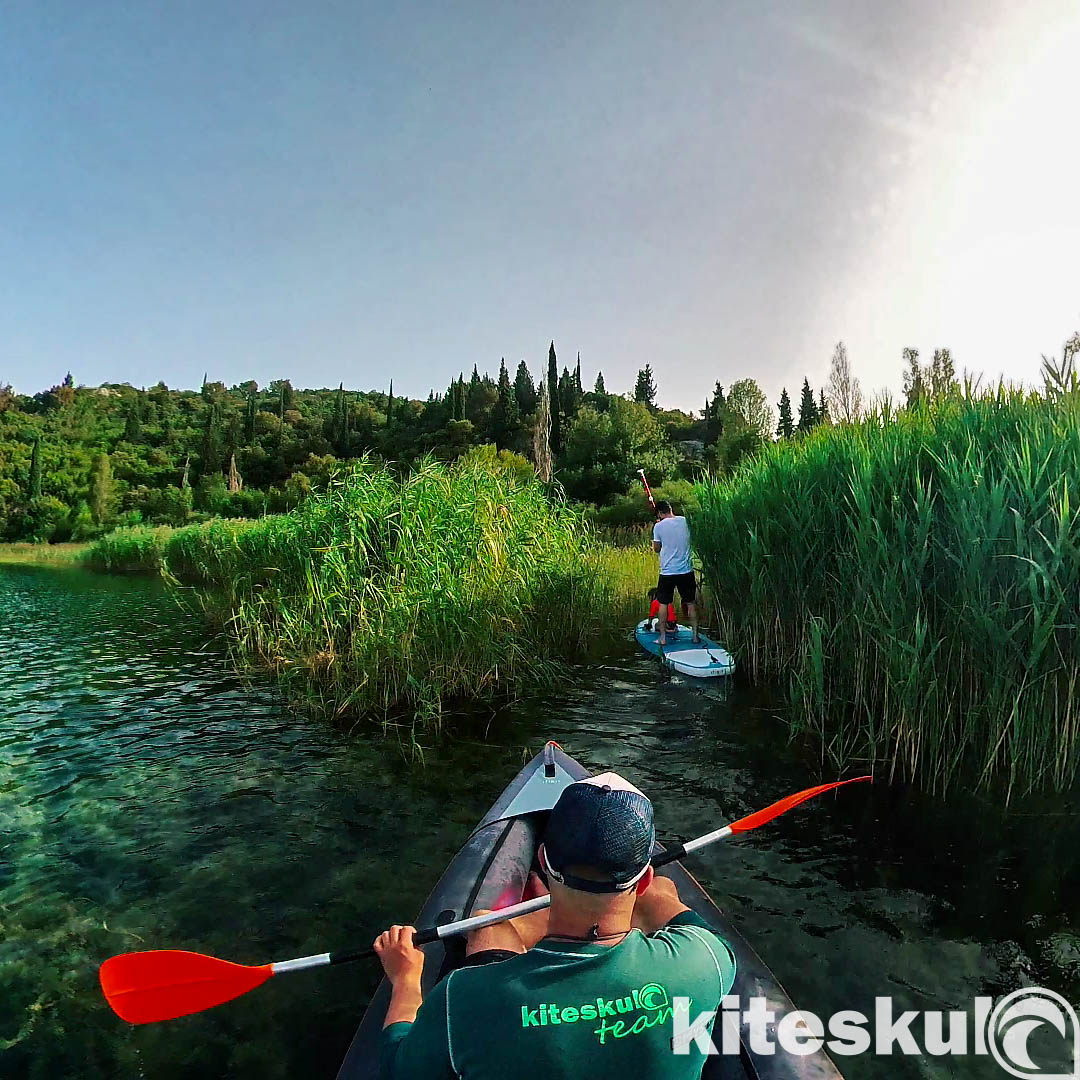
(353, 192)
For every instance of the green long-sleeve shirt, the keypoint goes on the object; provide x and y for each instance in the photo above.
(567, 1009)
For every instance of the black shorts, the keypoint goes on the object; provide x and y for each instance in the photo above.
(668, 583)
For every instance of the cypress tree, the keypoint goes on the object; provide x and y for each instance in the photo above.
(101, 488)
(507, 417)
(553, 401)
(577, 376)
(132, 425)
(210, 459)
(249, 420)
(808, 411)
(35, 468)
(459, 398)
(823, 408)
(599, 387)
(786, 427)
(645, 388)
(568, 396)
(525, 390)
(390, 405)
(714, 416)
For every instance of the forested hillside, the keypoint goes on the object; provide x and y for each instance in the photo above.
(76, 461)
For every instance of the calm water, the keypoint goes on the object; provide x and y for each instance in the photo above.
(150, 798)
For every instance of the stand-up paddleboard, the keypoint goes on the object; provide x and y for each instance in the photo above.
(704, 660)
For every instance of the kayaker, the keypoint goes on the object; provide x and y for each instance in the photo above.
(594, 995)
(671, 540)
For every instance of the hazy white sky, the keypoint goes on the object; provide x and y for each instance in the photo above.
(347, 191)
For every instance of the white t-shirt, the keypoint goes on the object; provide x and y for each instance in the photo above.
(673, 534)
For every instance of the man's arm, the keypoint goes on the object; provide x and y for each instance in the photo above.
(415, 1045)
(656, 546)
(403, 963)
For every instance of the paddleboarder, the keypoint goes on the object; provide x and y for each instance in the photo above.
(594, 996)
(671, 541)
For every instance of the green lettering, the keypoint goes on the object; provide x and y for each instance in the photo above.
(604, 1008)
(553, 1012)
(588, 1012)
(568, 1015)
(624, 1005)
(529, 1017)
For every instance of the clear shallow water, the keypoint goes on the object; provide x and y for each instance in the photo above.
(151, 798)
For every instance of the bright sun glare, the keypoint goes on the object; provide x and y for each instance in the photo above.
(979, 250)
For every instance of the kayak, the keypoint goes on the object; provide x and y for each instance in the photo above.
(490, 871)
(703, 660)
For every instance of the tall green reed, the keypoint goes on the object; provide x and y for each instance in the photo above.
(396, 596)
(916, 577)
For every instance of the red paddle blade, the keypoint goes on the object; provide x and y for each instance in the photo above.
(752, 821)
(145, 987)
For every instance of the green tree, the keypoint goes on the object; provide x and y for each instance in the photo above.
(553, 401)
(506, 418)
(577, 377)
(914, 378)
(569, 398)
(645, 387)
(808, 410)
(747, 404)
(35, 469)
(943, 382)
(525, 390)
(786, 426)
(133, 424)
(714, 416)
(210, 456)
(604, 450)
(249, 419)
(823, 408)
(598, 388)
(101, 489)
(390, 405)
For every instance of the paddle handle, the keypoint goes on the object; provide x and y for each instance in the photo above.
(526, 907)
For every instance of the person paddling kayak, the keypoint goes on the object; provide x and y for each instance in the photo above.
(671, 540)
(586, 987)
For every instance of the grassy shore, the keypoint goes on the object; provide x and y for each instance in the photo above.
(397, 596)
(43, 554)
(917, 578)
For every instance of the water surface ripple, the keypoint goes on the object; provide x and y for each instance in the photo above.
(149, 797)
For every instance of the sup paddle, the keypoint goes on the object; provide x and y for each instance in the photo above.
(145, 987)
(648, 490)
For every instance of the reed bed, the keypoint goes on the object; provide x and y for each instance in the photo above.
(395, 596)
(28, 554)
(916, 577)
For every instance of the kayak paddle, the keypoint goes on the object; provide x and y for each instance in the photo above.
(145, 987)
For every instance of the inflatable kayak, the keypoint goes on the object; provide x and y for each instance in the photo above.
(491, 870)
(704, 660)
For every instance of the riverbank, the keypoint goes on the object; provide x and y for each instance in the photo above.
(916, 578)
(43, 554)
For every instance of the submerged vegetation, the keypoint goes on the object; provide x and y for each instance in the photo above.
(916, 575)
(394, 595)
